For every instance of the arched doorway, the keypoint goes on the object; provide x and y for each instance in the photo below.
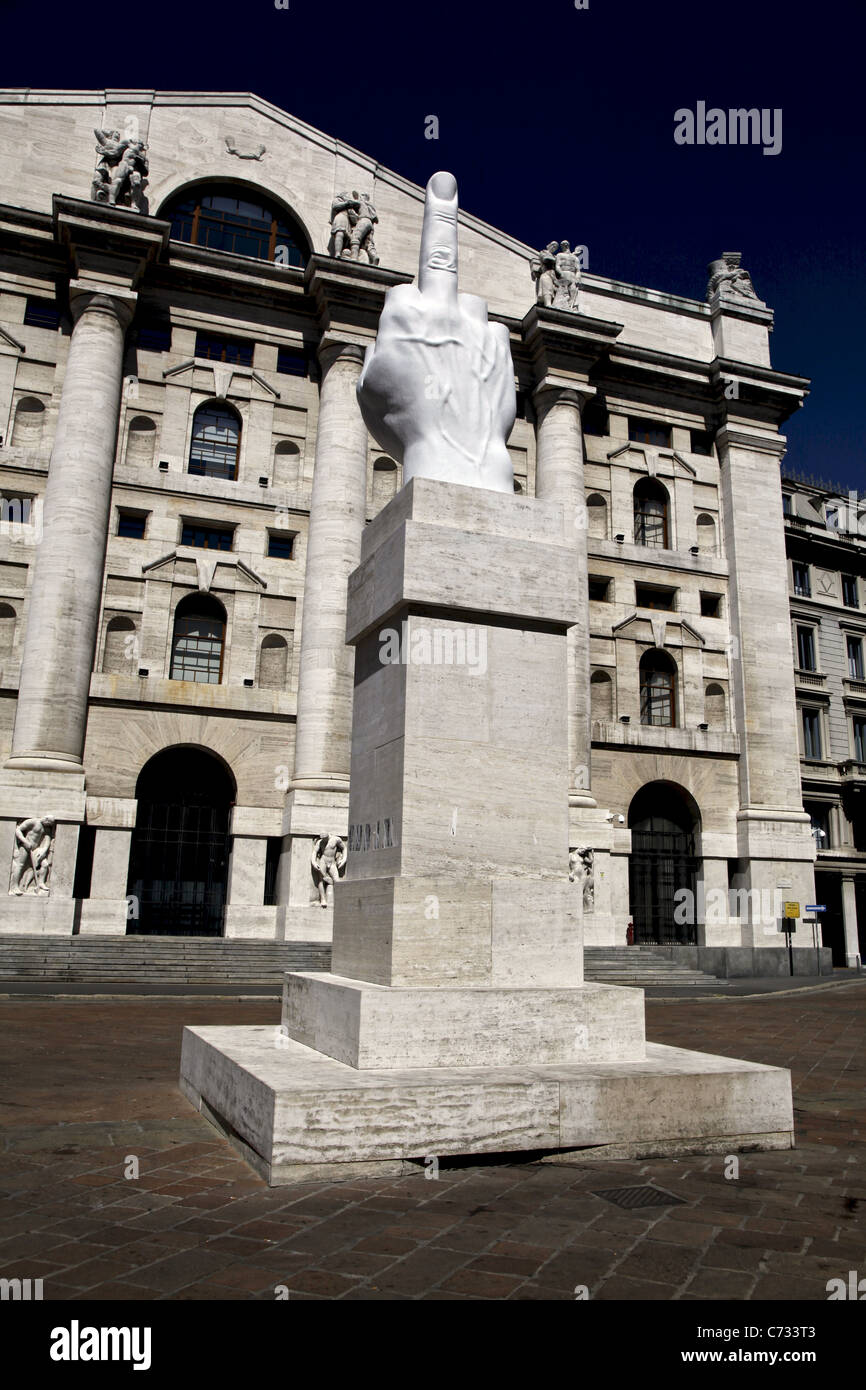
(664, 822)
(179, 857)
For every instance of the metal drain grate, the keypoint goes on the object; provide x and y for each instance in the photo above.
(631, 1197)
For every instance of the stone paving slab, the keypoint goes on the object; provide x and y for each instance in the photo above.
(91, 1084)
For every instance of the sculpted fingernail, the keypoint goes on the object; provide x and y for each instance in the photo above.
(443, 185)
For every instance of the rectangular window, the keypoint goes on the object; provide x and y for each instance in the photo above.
(154, 335)
(599, 589)
(649, 432)
(15, 510)
(711, 605)
(806, 649)
(215, 349)
(820, 818)
(281, 545)
(787, 504)
(596, 421)
(292, 362)
(802, 586)
(41, 313)
(205, 536)
(702, 443)
(855, 657)
(198, 650)
(860, 737)
(850, 597)
(648, 596)
(812, 733)
(132, 525)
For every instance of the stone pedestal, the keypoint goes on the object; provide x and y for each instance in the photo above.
(457, 1019)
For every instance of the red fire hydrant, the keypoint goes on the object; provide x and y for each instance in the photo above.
(629, 934)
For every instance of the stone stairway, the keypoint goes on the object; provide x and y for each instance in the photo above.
(646, 966)
(155, 960)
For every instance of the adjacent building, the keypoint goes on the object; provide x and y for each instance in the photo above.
(188, 283)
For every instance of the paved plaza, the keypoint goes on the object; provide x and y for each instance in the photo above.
(91, 1082)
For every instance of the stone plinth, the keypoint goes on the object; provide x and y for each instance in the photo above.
(457, 1019)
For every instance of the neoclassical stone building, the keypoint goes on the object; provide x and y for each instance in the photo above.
(187, 286)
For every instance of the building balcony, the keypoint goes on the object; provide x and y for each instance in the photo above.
(723, 742)
(853, 774)
(812, 680)
(854, 688)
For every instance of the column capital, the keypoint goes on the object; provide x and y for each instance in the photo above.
(109, 248)
(84, 297)
(736, 436)
(548, 394)
(330, 352)
(563, 346)
(349, 297)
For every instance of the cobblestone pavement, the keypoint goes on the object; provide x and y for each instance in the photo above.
(88, 1083)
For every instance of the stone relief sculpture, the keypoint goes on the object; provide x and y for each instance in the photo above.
(232, 148)
(581, 868)
(32, 856)
(729, 281)
(556, 272)
(437, 386)
(328, 863)
(352, 220)
(121, 171)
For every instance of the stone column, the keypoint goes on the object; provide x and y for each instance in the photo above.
(849, 919)
(559, 478)
(57, 660)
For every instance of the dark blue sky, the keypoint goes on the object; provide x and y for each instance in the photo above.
(559, 122)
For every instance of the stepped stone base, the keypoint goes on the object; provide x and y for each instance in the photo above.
(294, 1112)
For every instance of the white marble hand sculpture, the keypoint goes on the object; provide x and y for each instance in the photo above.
(437, 388)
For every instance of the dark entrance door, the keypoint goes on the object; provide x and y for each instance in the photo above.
(662, 863)
(178, 863)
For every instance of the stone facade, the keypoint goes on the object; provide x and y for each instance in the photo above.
(652, 418)
(825, 532)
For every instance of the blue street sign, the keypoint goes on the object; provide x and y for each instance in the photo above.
(816, 907)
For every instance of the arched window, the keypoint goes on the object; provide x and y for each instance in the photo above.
(198, 640)
(226, 218)
(715, 713)
(601, 695)
(658, 704)
(596, 511)
(216, 438)
(273, 662)
(120, 655)
(140, 440)
(651, 505)
(706, 529)
(29, 418)
(8, 618)
(287, 464)
(384, 482)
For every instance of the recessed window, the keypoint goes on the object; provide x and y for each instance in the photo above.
(850, 596)
(198, 640)
(521, 397)
(596, 420)
(812, 743)
(855, 657)
(599, 589)
(132, 525)
(205, 536)
(153, 335)
(292, 362)
(711, 605)
(238, 351)
(702, 443)
(819, 815)
(657, 689)
(787, 504)
(649, 432)
(221, 218)
(41, 313)
(802, 585)
(216, 436)
(651, 514)
(648, 596)
(806, 649)
(281, 545)
(859, 723)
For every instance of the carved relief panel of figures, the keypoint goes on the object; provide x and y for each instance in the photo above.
(581, 869)
(353, 218)
(556, 272)
(120, 176)
(328, 863)
(32, 856)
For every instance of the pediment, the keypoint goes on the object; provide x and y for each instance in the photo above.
(224, 376)
(647, 459)
(7, 343)
(662, 630)
(208, 570)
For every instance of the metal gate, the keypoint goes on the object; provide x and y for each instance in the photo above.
(662, 862)
(178, 869)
